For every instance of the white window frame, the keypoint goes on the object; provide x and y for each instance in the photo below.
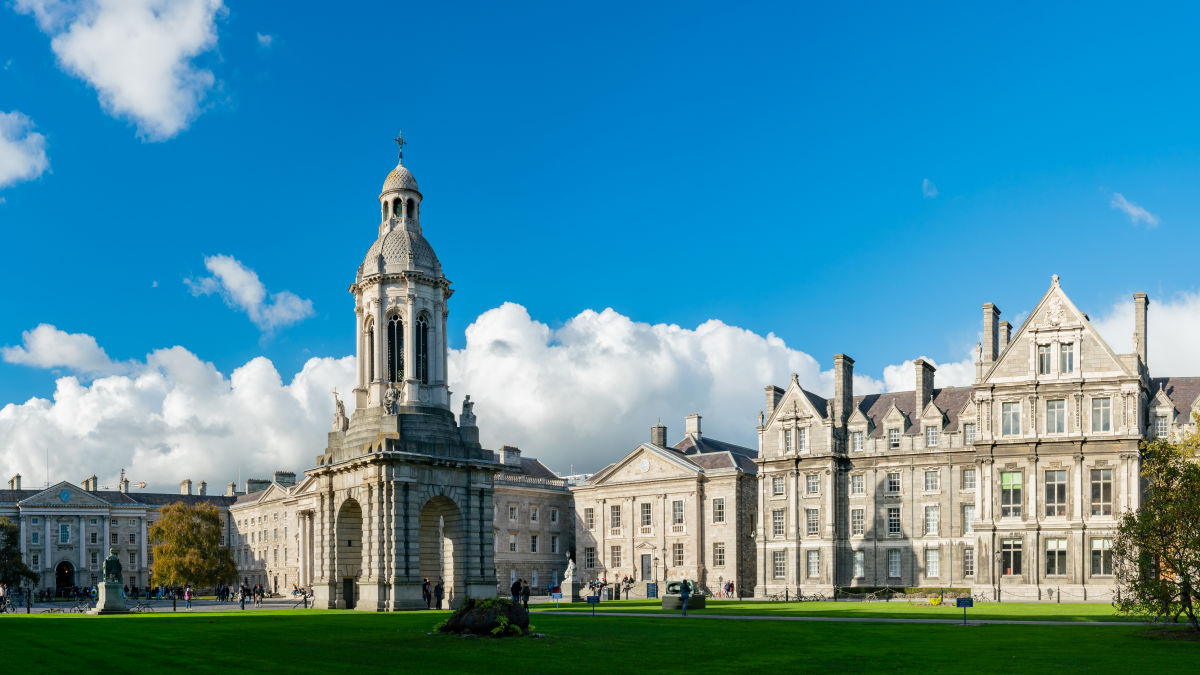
(589, 557)
(894, 563)
(933, 563)
(1010, 416)
(857, 522)
(779, 564)
(718, 510)
(614, 556)
(802, 440)
(856, 441)
(893, 483)
(554, 543)
(894, 528)
(1066, 358)
(677, 554)
(968, 479)
(933, 481)
(1056, 416)
(968, 518)
(1161, 427)
(968, 433)
(812, 522)
(893, 436)
(931, 437)
(778, 522)
(1043, 359)
(778, 486)
(969, 561)
(932, 519)
(718, 554)
(1056, 557)
(812, 484)
(858, 484)
(1101, 414)
(812, 564)
(860, 564)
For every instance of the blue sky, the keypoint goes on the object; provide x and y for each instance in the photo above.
(853, 179)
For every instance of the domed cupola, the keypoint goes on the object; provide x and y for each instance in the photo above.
(400, 247)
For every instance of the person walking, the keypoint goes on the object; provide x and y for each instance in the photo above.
(515, 591)
(426, 592)
(525, 596)
(685, 592)
(438, 592)
(242, 596)
(187, 597)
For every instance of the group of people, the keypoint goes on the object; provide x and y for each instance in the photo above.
(255, 594)
(520, 593)
(432, 594)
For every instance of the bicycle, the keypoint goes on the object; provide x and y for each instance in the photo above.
(979, 597)
(142, 606)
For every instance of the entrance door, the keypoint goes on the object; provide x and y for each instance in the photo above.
(64, 578)
(348, 592)
(647, 570)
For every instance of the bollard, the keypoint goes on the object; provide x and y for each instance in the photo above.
(174, 605)
(785, 594)
(306, 601)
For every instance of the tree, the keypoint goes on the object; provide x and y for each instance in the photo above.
(12, 569)
(187, 547)
(1156, 552)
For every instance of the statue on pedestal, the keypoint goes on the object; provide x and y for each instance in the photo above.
(112, 567)
(467, 418)
(389, 400)
(570, 573)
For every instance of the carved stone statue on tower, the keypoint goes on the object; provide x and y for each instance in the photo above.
(340, 421)
(467, 418)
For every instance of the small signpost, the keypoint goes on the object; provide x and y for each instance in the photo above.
(964, 603)
(593, 600)
(556, 597)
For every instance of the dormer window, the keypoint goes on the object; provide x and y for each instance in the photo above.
(1066, 358)
(1160, 426)
(931, 437)
(1043, 359)
(968, 433)
(893, 439)
(856, 441)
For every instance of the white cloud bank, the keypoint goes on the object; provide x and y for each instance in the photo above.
(22, 150)
(581, 395)
(1136, 213)
(137, 54)
(241, 289)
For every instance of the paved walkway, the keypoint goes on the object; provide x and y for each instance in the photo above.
(849, 619)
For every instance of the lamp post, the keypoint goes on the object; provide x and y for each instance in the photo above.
(655, 569)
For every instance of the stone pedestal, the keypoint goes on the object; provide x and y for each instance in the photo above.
(570, 590)
(109, 599)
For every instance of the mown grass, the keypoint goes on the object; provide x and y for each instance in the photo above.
(331, 641)
(896, 609)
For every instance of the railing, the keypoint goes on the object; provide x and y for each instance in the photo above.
(614, 531)
(646, 529)
(521, 479)
(677, 529)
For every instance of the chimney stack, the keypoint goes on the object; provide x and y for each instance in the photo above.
(843, 388)
(1005, 336)
(231, 489)
(89, 483)
(658, 434)
(14, 483)
(185, 486)
(1141, 302)
(123, 486)
(924, 370)
(510, 455)
(774, 394)
(256, 485)
(692, 425)
(284, 478)
(203, 488)
(991, 332)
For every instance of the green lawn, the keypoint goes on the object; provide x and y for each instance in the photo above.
(330, 641)
(1038, 611)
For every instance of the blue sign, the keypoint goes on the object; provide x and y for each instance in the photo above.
(593, 599)
(651, 590)
(964, 602)
(556, 596)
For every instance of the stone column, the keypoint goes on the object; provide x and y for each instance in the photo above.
(107, 523)
(145, 560)
(48, 563)
(21, 523)
(360, 334)
(410, 347)
(82, 548)
(380, 346)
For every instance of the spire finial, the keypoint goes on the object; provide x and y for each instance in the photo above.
(399, 139)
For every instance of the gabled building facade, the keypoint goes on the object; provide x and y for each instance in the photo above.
(670, 512)
(1011, 487)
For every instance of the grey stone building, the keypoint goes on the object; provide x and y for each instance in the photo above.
(668, 512)
(534, 523)
(1011, 487)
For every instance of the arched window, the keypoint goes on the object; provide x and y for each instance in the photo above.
(396, 208)
(395, 338)
(412, 209)
(423, 349)
(385, 210)
(370, 351)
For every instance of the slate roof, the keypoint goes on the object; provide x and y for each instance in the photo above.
(709, 453)
(1182, 391)
(246, 498)
(949, 400)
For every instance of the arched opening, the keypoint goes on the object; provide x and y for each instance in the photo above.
(412, 209)
(395, 340)
(370, 352)
(64, 578)
(349, 535)
(397, 205)
(423, 349)
(443, 549)
(385, 210)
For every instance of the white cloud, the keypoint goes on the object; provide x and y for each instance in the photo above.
(49, 347)
(264, 41)
(928, 189)
(241, 289)
(1136, 213)
(136, 53)
(903, 376)
(173, 416)
(22, 150)
(1172, 325)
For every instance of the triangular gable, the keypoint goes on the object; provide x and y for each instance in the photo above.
(894, 417)
(970, 410)
(629, 467)
(932, 413)
(795, 404)
(1054, 311)
(859, 421)
(76, 497)
(273, 491)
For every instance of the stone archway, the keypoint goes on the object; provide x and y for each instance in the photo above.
(64, 578)
(348, 568)
(443, 549)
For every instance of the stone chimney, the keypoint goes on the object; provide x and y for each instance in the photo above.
(774, 394)
(185, 486)
(231, 489)
(991, 332)
(692, 425)
(924, 382)
(658, 434)
(14, 483)
(123, 486)
(510, 455)
(843, 388)
(256, 485)
(1005, 335)
(89, 483)
(202, 488)
(285, 478)
(1141, 302)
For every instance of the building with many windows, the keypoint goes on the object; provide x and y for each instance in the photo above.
(669, 512)
(1011, 486)
(533, 525)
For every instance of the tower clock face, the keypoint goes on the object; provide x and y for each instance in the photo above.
(65, 495)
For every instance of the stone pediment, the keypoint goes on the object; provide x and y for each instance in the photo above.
(859, 421)
(970, 411)
(895, 418)
(933, 414)
(795, 406)
(64, 495)
(646, 462)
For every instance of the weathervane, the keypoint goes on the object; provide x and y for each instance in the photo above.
(399, 139)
